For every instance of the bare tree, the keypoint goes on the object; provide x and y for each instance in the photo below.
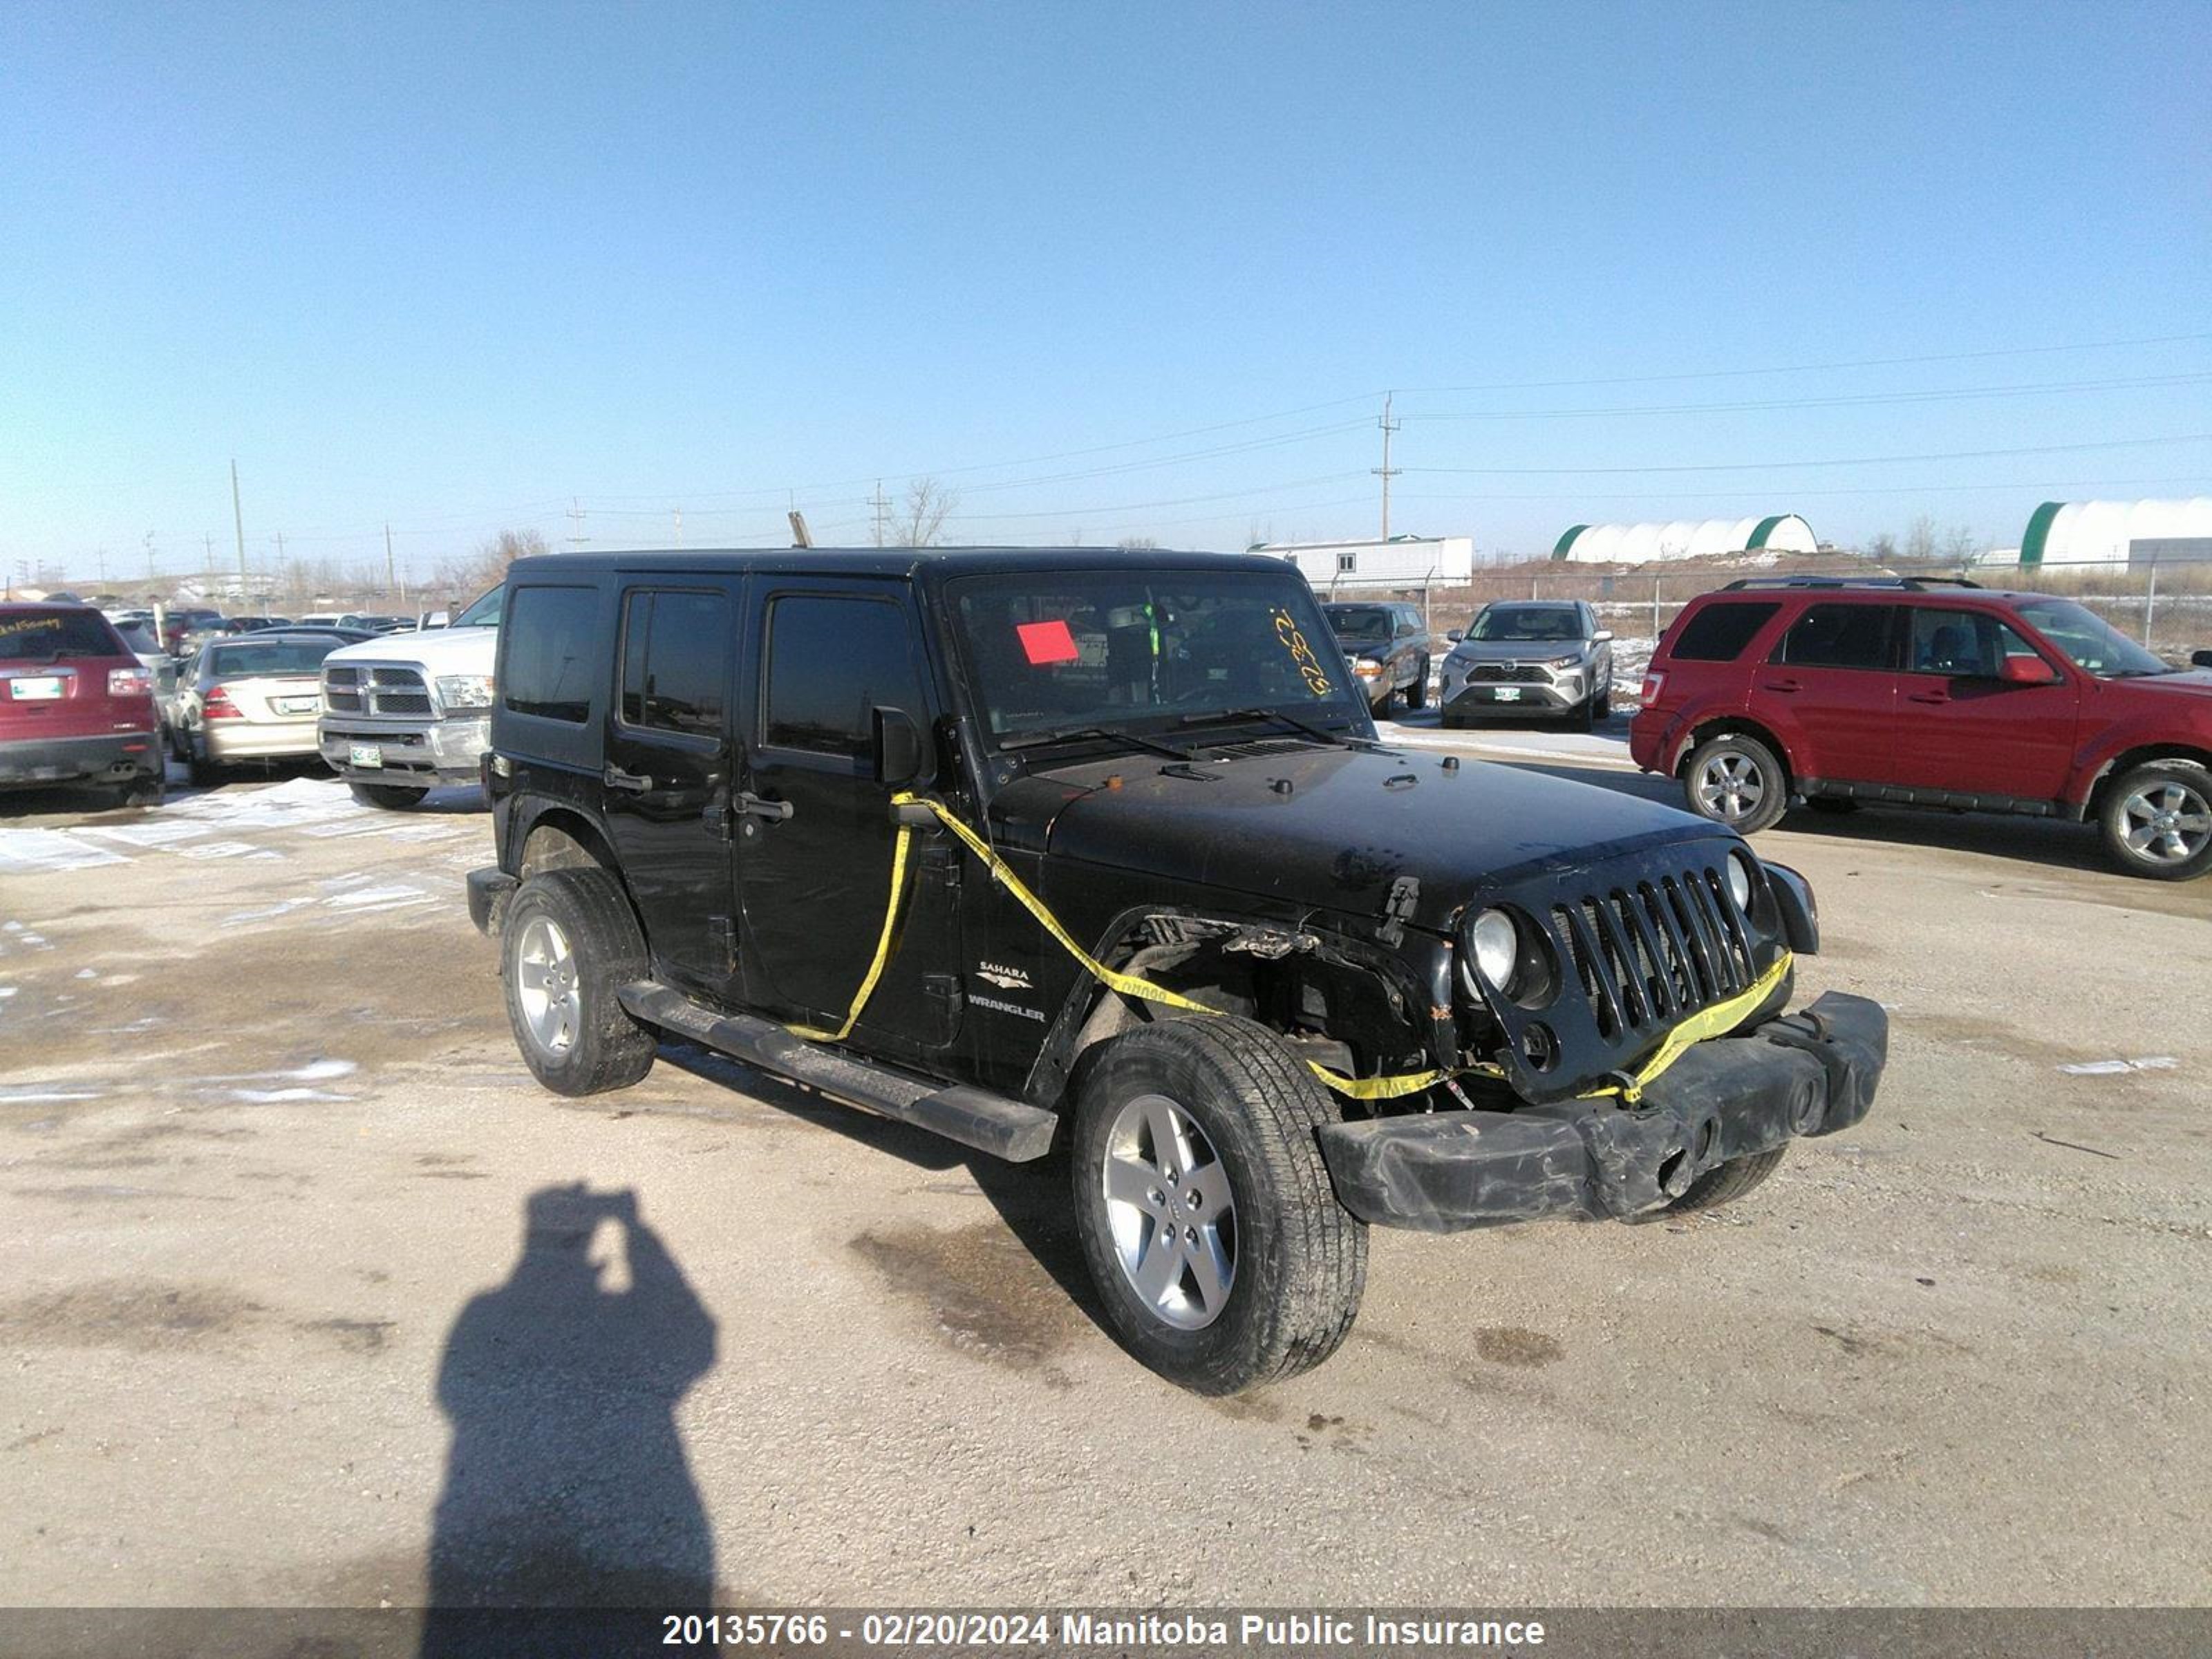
(922, 516)
(1882, 547)
(1136, 544)
(1920, 539)
(1961, 544)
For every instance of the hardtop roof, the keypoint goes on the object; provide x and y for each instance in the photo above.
(939, 561)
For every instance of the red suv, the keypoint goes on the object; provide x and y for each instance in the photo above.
(76, 705)
(1934, 693)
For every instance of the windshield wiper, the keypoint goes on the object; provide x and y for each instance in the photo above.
(1102, 733)
(1319, 733)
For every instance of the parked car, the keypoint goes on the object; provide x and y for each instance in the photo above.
(257, 625)
(184, 627)
(384, 625)
(403, 713)
(76, 705)
(1933, 693)
(1388, 648)
(1100, 850)
(1525, 657)
(332, 619)
(249, 698)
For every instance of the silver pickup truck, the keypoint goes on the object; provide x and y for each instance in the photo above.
(405, 713)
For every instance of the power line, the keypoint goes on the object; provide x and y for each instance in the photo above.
(2033, 486)
(1846, 460)
(1847, 400)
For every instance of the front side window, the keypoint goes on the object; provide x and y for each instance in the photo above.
(1839, 636)
(1059, 651)
(2088, 641)
(1961, 643)
(676, 647)
(1499, 623)
(548, 665)
(832, 661)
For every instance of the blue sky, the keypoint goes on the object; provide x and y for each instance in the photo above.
(1106, 272)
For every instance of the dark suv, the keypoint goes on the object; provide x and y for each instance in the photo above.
(1099, 852)
(1934, 693)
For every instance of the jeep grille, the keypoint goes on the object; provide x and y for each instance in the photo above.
(1651, 953)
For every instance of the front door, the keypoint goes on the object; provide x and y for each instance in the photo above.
(668, 769)
(1968, 728)
(814, 836)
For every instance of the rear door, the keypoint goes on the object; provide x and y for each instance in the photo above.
(814, 836)
(1968, 728)
(1829, 691)
(670, 760)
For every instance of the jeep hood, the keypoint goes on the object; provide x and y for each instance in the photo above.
(1350, 824)
(438, 650)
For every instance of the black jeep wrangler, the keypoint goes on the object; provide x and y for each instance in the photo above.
(1098, 851)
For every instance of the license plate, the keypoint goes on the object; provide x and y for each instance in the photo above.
(296, 705)
(365, 754)
(44, 688)
(1507, 693)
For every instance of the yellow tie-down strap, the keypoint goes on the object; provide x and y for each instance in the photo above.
(1709, 1022)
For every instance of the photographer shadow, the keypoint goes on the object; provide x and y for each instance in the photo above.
(567, 1484)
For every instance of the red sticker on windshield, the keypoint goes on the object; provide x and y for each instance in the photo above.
(1047, 642)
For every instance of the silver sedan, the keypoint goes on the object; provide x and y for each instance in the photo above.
(253, 697)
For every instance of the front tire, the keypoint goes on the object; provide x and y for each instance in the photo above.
(2157, 821)
(1203, 1207)
(1736, 781)
(1726, 1182)
(1417, 694)
(393, 797)
(568, 941)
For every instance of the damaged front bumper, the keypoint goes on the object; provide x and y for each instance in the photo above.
(1811, 1072)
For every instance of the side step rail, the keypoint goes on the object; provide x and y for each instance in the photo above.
(994, 1123)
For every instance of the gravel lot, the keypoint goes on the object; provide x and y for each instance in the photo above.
(264, 1140)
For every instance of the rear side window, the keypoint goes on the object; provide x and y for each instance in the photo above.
(1719, 632)
(1839, 637)
(675, 652)
(547, 671)
(830, 661)
(44, 636)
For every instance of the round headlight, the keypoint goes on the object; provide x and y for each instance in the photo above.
(1738, 880)
(1496, 942)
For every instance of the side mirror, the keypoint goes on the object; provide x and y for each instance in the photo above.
(897, 744)
(1455, 635)
(1603, 636)
(2200, 659)
(2027, 671)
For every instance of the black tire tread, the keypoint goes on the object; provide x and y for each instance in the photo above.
(1287, 1105)
(2108, 814)
(611, 1050)
(1728, 1181)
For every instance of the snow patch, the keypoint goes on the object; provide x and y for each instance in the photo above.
(2121, 1067)
(39, 852)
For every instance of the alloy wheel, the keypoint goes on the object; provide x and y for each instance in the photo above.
(1729, 788)
(1173, 1217)
(2167, 821)
(545, 985)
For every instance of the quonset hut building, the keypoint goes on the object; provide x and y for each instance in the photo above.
(2118, 532)
(1684, 538)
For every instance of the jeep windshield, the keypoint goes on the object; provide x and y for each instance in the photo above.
(2090, 642)
(1079, 652)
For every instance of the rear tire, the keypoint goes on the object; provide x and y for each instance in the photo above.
(204, 771)
(1196, 1138)
(568, 941)
(393, 797)
(1736, 781)
(1727, 1183)
(2157, 821)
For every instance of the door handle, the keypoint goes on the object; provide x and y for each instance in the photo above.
(629, 782)
(754, 806)
(1931, 696)
(1781, 685)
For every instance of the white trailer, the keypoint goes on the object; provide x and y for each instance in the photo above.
(1417, 562)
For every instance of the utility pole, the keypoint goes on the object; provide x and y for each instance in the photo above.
(680, 525)
(279, 566)
(150, 560)
(882, 503)
(237, 518)
(391, 568)
(1386, 471)
(576, 537)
